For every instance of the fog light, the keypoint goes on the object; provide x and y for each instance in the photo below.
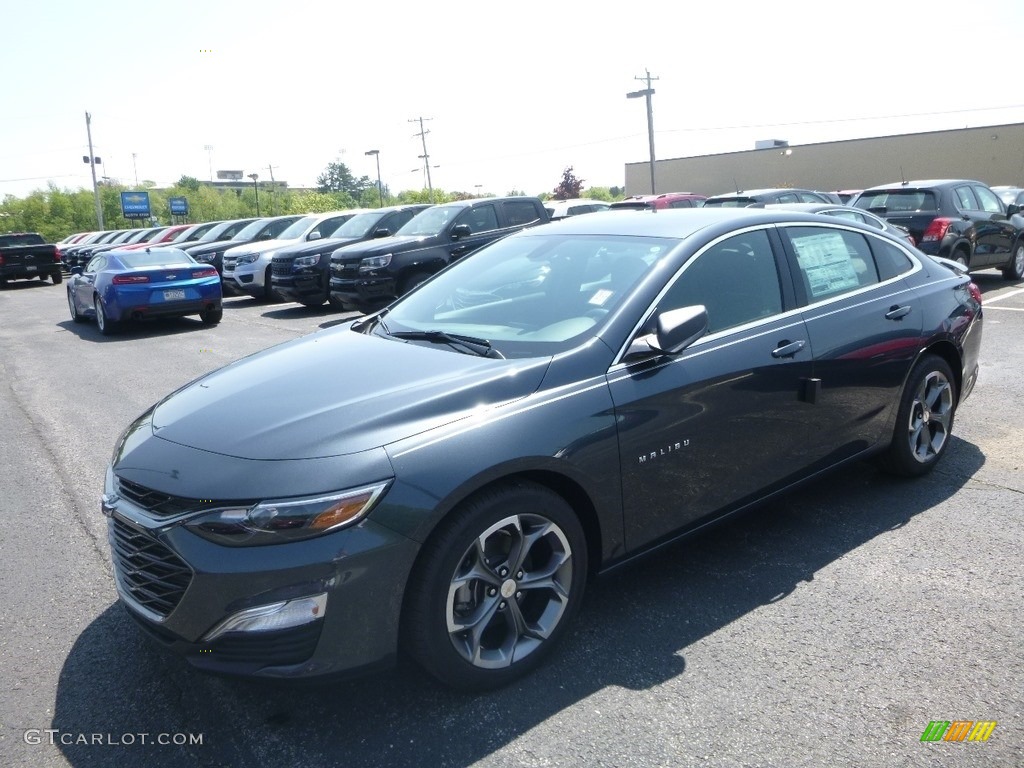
(270, 618)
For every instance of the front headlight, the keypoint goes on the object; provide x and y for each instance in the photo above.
(308, 261)
(246, 258)
(276, 522)
(374, 262)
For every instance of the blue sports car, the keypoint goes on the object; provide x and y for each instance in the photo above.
(118, 286)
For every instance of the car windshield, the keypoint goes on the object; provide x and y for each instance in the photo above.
(170, 257)
(729, 202)
(898, 200)
(1008, 195)
(529, 295)
(359, 225)
(186, 233)
(298, 228)
(253, 230)
(141, 236)
(213, 234)
(430, 222)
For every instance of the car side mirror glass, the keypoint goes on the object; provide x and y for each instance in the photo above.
(461, 230)
(676, 329)
(382, 232)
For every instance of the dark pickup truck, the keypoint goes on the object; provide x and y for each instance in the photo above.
(370, 274)
(958, 219)
(27, 255)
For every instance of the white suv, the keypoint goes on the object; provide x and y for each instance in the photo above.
(247, 267)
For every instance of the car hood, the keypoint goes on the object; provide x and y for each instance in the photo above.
(382, 245)
(316, 246)
(337, 392)
(262, 246)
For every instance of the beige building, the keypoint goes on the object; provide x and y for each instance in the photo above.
(993, 154)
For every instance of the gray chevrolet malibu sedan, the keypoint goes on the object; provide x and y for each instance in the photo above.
(440, 479)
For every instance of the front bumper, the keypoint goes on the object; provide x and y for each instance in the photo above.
(178, 586)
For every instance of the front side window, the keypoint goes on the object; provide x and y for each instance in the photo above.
(480, 218)
(431, 221)
(831, 261)
(736, 279)
(989, 202)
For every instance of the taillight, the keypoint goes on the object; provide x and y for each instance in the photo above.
(975, 291)
(205, 272)
(1, 259)
(130, 279)
(936, 230)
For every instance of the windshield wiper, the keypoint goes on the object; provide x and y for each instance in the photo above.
(477, 346)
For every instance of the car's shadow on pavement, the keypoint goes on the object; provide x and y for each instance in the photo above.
(634, 631)
(139, 329)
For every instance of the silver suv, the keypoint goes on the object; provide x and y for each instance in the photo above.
(247, 267)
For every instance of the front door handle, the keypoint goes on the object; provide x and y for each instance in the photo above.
(788, 348)
(897, 312)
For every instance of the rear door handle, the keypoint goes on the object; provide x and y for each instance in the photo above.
(897, 312)
(788, 348)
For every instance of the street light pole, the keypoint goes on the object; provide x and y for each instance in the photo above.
(647, 93)
(209, 157)
(92, 160)
(380, 188)
(256, 189)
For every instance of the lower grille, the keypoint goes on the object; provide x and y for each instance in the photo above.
(151, 574)
(270, 649)
(280, 267)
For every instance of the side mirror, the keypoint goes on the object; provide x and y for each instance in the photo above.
(676, 329)
(461, 230)
(382, 232)
(76, 270)
(1012, 209)
(314, 235)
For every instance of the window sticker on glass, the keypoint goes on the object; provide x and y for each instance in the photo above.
(826, 261)
(600, 297)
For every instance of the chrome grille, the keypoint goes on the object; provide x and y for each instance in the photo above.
(151, 574)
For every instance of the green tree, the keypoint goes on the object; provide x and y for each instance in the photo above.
(338, 178)
(569, 187)
(191, 183)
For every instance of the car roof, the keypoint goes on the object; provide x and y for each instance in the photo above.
(677, 223)
(921, 183)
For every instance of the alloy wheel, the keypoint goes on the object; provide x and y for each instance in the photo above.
(931, 417)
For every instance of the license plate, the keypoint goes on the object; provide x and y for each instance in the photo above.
(172, 295)
(30, 269)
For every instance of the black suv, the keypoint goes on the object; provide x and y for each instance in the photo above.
(302, 273)
(751, 197)
(958, 219)
(370, 274)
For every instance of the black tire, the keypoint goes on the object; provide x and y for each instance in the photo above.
(1015, 269)
(522, 597)
(3, 282)
(211, 316)
(269, 295)
(412, 281)
(107, 326)
(73, 308)
(57, 278)
(924, 421)
(962, 257)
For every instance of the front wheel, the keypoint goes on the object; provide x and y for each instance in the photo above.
(75, 314)
(57, 277)
(496, 587)
(1015, 269)
(924, 422)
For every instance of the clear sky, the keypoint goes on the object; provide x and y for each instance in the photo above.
(511, 93)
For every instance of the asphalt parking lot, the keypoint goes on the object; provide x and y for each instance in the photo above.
(827, 628)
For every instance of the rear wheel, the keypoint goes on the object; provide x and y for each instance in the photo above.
(57, 278)
(211, 316)
(924, 422)
(962, 257)
(1015, 269)
(496, 587)
(107, 326)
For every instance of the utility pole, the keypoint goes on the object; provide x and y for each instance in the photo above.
(92, 160)
(136, 169)
(271, 168)
(209, 156)
(426, 156)
(647, 93)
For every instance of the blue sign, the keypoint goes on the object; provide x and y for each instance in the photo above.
(135, 205)
(179, 206)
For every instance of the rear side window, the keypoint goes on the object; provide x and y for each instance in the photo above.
(889, 259)
(831, 261)
(520, 212)
(965, 199)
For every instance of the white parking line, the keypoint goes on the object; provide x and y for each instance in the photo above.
(986, 302)
(1008, 309)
